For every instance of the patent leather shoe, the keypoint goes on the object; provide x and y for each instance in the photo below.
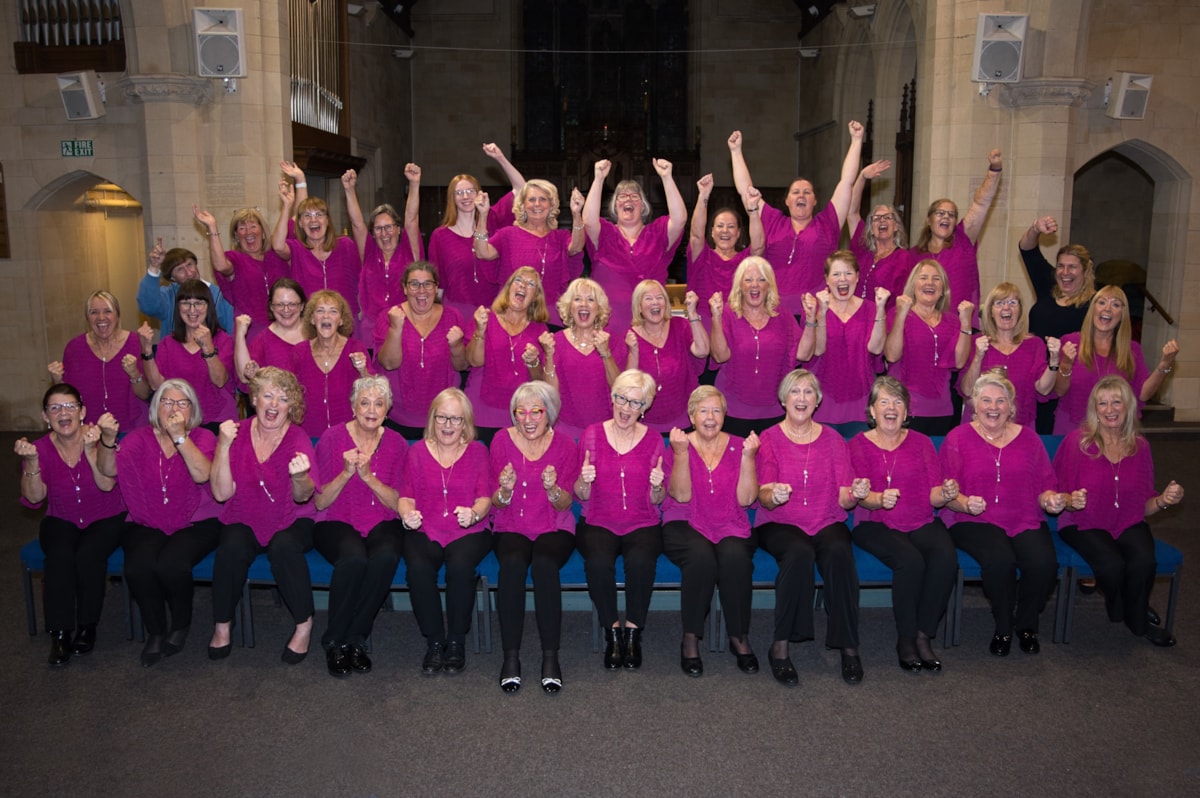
(747, 663)
(1028, 640)
(1001, 645)
(632, 639)
(1152, 617)
(85, 639)
(852, 669)
(614, 648)
(337, 661)
(359, 661)
(60, 649)
(152, 652)
(931, 665)
(552, 680)
(692, 666)
(455, 658)
(174, 642)
(1160, 637)
(432, 663)
(906, 655)
(784, 671)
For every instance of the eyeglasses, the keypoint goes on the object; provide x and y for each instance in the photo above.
(525, 282)
(68, 406)
(421, 285)
(883, 217)
(449, 421)
(533, 414)
(942, 214)
(313, 215)
(171, 404)
(284, 305)
(1010, 302)
(465, 192)
(192, 304)
(385, 229)
(628, 195)
(636, 404)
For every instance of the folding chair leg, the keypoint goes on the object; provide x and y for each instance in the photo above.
(247, 611)
(30, 609)
(1173, 597)
(1064, 605)
(716, 643)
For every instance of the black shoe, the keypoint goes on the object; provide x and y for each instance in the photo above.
(747, 663)
(929, 660)
(1152, 617)
(174, 642)
(455, 658)
(359, 661)
(153, 650)
(692, 666)
(551, 673)
(614, 650)
(1028, 641)
(337, 660)
(852, 669)
(1160, 637)
(1001, 645)
(60, 649)
(784, 671)
(290, 657)
(85, 639)
(1087, 585)
(510, 672)
(221, 652)
(906, 655)
(633, 648)
(432, 663)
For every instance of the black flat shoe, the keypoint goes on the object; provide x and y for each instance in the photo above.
(290, 657)
(432, 663)
(1028, 640)
(747, 663)
(852, 669)
(337, 661)
(510, 672)
(454, 660)
(784, 671)
(925, 655)
(152, 652)
(1001, 645)
(551, 673)
(692, 666)
(60, 649)
(909, 665)
(906, 655)
(1152, 617)
(85, 639)
(359, 661)
(614, 649)
(932, 665)
(1087, 585)
(1160, 637)
(175, 642)
(633, 648)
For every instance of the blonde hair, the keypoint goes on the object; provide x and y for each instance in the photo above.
(542, 185)
(703, 394)
(1089, 273)
(995, 378)
(315, 204)
(639, 293)
(795, 376)
(285, 381)
(1121, 352)
(636, 378)
(248, 215)
(910, 286)
(468, 428)
(764, 268)
(107, 297)
(988, 324)
(536, 311)
(576, 288)
(345, 318)
(1090, 429)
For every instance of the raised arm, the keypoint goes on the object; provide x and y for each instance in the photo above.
(982, 201)
(679, 486)
(1166, 365)
(1042, 226)
(412, 209)
(296, 175)
(893, 345)
(483, 249)
(591, 206)
(962, 347)
(700, 344)
(216, 252)
(697, 241)
(752, 201)
(741, 173)
(287, 201)
(841, 194)
(808, 340)
(718, 346)
(578, 228)
(145, 336)
(868, 172)
(515, 178)
(879, 326)
(676, 209)
(358, 227)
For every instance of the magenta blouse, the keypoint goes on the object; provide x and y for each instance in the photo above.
(268, 349)
(490, 387)
(248, 289)
(381, 283)
(1010, 480)
(846, 370)
(675, 370)
(357, 505)
(962, 269)
(326, 396)
(1116, 492)
(531, 513)
(159, 491)
(891, 272)
(619, 266)
(340, 272)
(175, 362)
(913, 469)
(103, 384)
(1024, 367)
(925, 365)
(71, 493)
(582, 384)
(547, 254)
(262, 497)
(799, 258)
(758, 361)
(437, 491)
(620, 500)
(714, 511)
(1072, 407)
(425, 368)
(816, 471)
(709, 274)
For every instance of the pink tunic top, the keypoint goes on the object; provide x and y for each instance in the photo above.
(710, 274)
(620, 500)
(962, 269)
(582, 384)
(326, 396)
(159, 491)
(425, 369)
(925, 365)
(490, 387)
(380, 285)
(1072, 407)
(268, 349)
(437, 491)
(548, 255)
(175, 362)
(1116, 492)
(340, 272)
(759, 360)
(714, 511)
(675, 370)
(799, 258)
(619, 266)
(891, 272)
(1024, 367)
(104, 385)
(1010, 480)
(816, 471)
(466, 281)
(262, 497)
(71, 493)
(846, 370)
(531, 513)
(248, 289)
(912, 468)
(357, 505)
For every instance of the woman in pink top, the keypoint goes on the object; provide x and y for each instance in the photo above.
(806, 487)
(1108, 468)
(468, 282)
(534, 239)
(895, 521)
(386, 253)
(273, 346)
(359, 533)
(172, 523)
(622, 482)
(631, 248)
(328, 363)
(1007, 345)
(264, 474)
(104, 361)
(1104, 346)
(669, 348)
(952, 243)
(925, 342)
(878, 242)
(798, 243)
(245, 273)
(84, 516)
(710, 268)
(419, 348)
(850, 336)
(1005, 484)
(444, 502)
(754, 346)
(535, 467)
(705, 528)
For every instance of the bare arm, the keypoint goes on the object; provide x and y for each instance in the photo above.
(869, 172)
(216, 253)
(391, 354)
(515, 178)
(752, 200)
(676, 209)
(841, 193)
(741, 173)
(893, 347)
(287, 198)
(412, 209)
(679, 485)
(358, 227)
(982, 201)
(697, 241)
(591, 206)
(483, 250)
(718, 347)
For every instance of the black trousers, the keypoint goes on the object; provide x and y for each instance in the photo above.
(705, 565)
(924, 566)
(542, 556)
(424, 558)
(236, 551)
(600, 548)
(158, 568)
(76, 569)
(796, 552)
(363, 571)
(1124, 569)
(1013, 605)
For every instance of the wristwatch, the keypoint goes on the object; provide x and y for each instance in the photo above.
(179, 441)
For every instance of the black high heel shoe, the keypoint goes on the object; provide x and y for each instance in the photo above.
(221, 652)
